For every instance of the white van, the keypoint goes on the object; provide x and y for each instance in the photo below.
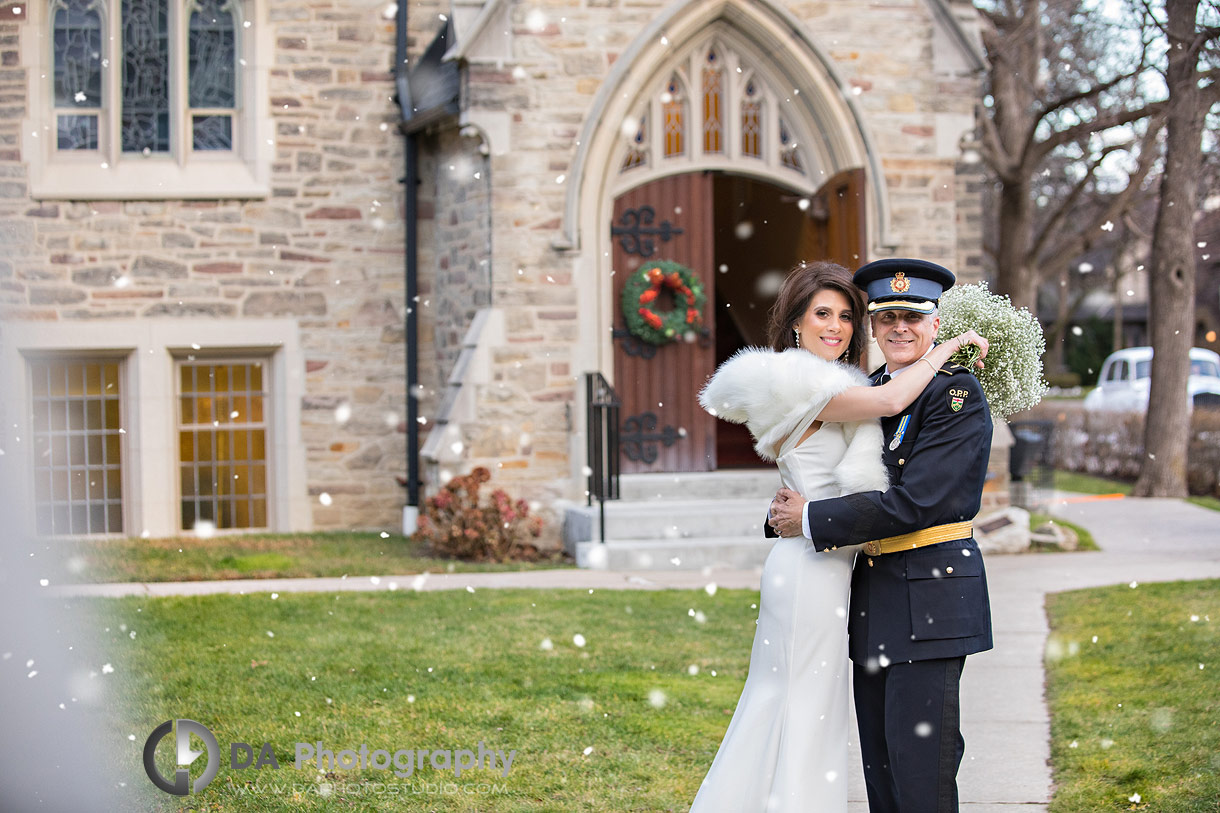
(1125, 376)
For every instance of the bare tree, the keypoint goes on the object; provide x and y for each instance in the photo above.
(1190, 76)
(1063, 99)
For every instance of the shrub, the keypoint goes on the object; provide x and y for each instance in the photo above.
(456, 523)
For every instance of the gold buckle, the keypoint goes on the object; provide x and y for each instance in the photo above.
(873, 548)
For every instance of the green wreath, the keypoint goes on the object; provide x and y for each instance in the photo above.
(640, 297)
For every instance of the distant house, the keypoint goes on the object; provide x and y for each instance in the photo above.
(208, 252)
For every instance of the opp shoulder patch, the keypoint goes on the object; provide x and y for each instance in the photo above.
(957, 398)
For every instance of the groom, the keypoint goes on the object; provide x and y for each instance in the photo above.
(919, 593)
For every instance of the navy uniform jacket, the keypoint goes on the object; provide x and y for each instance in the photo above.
(930, 602)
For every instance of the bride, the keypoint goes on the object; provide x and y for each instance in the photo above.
(812, 411)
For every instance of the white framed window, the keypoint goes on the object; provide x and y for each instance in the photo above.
(78, 439)
(147, 99)
(223, 411)
(143, 427)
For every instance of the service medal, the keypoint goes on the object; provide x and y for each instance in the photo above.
(900, 432)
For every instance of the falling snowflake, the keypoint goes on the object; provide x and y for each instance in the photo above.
(546, 645)
(656, 698)
(578, 639)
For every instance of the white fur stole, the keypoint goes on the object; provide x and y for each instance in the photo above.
(773, 393)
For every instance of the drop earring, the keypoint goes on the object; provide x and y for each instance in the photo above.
(797, 333)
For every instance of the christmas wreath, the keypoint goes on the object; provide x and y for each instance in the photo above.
(640, 298)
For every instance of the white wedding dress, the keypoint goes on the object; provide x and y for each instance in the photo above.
(786, 746)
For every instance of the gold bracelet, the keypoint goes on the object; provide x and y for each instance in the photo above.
(932, 368)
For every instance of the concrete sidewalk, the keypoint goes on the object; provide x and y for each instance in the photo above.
(1004, 715)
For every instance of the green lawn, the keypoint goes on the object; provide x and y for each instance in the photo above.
(1085, 539)
(258, 556)
(1205, 502)
(1088, 484)
(439, 670)
(1134, 698)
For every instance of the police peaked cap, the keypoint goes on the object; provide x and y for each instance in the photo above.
(897, 283)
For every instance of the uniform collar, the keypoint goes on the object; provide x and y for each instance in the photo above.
(892, 373)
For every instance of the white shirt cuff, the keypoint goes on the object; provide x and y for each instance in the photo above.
(805, 522)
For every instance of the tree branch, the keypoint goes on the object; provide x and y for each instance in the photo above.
(1038, 151)
(1006, 168)
(1083, 238)
(1066, 205)
(1095, 90)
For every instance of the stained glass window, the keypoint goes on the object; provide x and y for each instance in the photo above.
(673, 106)
(713, 125)
(222, 444)
(78, 449)
(212, 57)
(751, 121)
(637, 152)
(77, 39)
(145, 114)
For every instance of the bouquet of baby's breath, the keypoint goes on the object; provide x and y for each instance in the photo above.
(1012, 372)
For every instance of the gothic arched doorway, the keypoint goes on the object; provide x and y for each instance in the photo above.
(739, 235)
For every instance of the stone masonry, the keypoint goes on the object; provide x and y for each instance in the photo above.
(326, 247)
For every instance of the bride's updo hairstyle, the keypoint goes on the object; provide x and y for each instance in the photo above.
(803, 281)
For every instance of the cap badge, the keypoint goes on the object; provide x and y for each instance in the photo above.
(900, 284)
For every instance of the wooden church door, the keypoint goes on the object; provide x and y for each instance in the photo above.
(662, 428)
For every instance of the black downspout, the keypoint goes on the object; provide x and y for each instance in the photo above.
(411, 206)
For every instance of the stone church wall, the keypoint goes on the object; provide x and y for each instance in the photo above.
(326, 247)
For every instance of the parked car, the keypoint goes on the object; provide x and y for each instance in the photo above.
(1125, 376)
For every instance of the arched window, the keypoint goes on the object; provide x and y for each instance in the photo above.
(789, 150)
(637, 152)
(751, 121)
(738, 114)
(212, 70)
(76, 32)
(713, 124)
(145, 114)
(149, 99)
(673, 107)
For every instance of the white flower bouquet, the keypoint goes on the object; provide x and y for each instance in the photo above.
(1012, 373)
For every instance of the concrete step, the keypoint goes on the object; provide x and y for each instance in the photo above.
(734, 552)
(700, 485)
(667, 519)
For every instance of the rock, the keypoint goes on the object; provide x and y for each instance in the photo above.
(1003, 531)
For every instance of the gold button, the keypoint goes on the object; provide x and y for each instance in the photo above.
(870, 562)
(948, 570)
(901, 461)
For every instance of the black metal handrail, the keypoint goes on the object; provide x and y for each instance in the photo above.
(602, 413)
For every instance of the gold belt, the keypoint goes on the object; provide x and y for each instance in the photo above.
(918, 539)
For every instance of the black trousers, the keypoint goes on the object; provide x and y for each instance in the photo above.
(910, 736)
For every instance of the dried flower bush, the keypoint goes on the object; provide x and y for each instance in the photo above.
(456, 522)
